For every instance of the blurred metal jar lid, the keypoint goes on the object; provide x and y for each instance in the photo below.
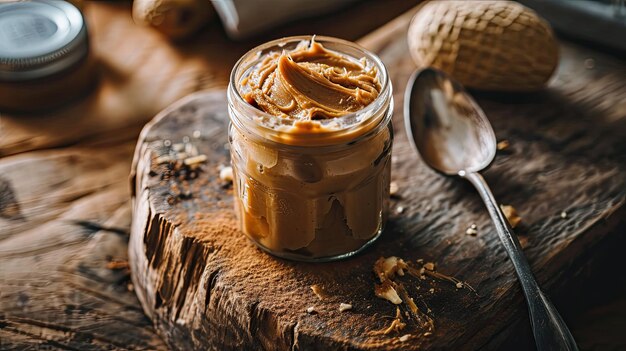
(40, 38)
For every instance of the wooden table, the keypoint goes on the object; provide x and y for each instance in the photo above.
(64, 211)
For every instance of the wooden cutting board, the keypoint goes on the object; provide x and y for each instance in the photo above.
(205, 286)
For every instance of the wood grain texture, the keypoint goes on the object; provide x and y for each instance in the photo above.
(64, 214)
(205, 285)
(56, 291)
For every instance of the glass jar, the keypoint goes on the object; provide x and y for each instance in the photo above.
(315, 190)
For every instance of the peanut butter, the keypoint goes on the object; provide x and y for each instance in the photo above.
(311, 83)
(306, 187)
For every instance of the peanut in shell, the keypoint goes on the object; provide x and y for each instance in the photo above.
(486, 45)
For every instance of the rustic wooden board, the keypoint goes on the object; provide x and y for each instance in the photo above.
(205, 285)
(64, 197)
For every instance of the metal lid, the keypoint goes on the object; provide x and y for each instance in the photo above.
(39, 38)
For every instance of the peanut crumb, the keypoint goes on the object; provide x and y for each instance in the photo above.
(459, 285)
(386, 268)
(318, 291)
(471, 231)
(344, 307)
(226, 174)
(164, 159)
(196, 134)
(400, 209)
(393, 188)
(563, 214)
(427, 334)
(429, 266)
(431, 290)
(311, 310)
(404, 337)
(511, 215)
(503, 145)
(387, 292)
(194, 160)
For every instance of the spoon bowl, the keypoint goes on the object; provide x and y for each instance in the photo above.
(446, 126)
(454, 137)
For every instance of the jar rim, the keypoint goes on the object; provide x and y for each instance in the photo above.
(348, 123)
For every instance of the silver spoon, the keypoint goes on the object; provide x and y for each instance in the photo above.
(454, 137)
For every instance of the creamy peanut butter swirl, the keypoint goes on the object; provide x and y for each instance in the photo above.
(311, 83)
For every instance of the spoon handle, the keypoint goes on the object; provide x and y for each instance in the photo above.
(548, 327)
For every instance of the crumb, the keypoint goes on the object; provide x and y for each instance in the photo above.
(511, 215)
(389, 270)
(130, 287)
(164, 159)
(393, 188)
(429, 266)
(226, 174)
(386, 268)
(194, 160)
(318, 291)
(503, 145)
(459, 285)
(387, 292)
(344, 307)
(471, 231)
(427, 334)
(404, 337)
(563, 214)
(400, 209)
(311, 310)
(196, 134)
(420, 260)
(432, 290)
